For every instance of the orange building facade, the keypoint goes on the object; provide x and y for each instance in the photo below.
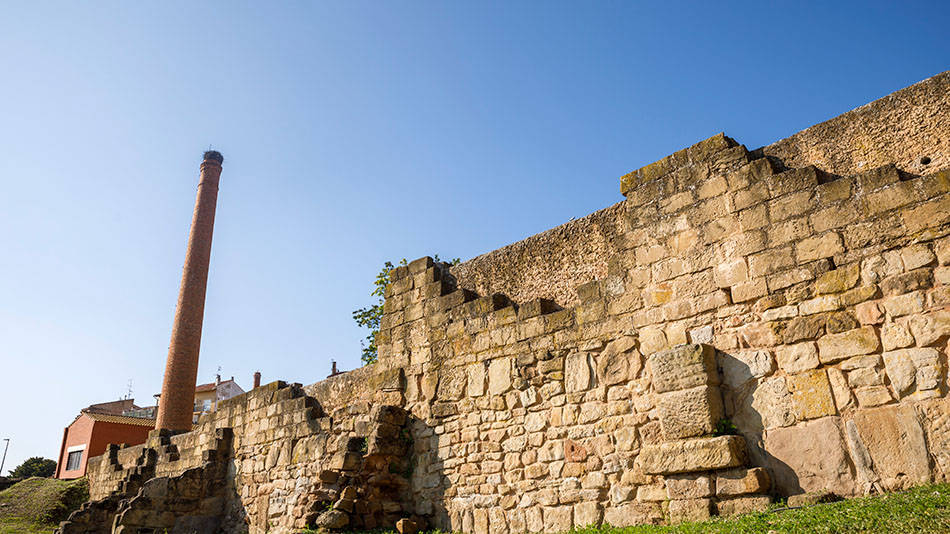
(91, 433)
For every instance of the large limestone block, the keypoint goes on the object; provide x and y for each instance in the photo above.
(809, 457)
(763, 405)
(894, 438)
(631, 514)
(499, 376)
(741, 366)
(690, 412)
(936, 421)
(701, 454)
(683, 367)
(811, 394)
(836, 347)
(908, 368)
(577, 372)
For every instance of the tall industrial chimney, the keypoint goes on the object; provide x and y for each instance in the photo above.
(176, 405)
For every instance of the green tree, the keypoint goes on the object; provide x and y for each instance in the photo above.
(369, 316)
(36, 466)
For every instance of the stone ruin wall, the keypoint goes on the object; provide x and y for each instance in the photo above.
(799, 291)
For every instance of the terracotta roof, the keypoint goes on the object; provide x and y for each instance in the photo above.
(210, 386)
(113, 407)
(121, 419)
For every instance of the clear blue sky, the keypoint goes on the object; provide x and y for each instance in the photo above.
(353, 133)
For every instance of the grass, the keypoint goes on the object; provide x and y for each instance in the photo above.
(923, 509)
(37, 505)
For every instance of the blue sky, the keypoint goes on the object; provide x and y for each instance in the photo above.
(354, 133)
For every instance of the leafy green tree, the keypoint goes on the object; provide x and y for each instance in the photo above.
(369, 316)
(36, 466)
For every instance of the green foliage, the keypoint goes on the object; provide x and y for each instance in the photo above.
(36, 466)
(369, 316)
(725, 427)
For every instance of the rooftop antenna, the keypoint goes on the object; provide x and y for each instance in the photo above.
(128, 392)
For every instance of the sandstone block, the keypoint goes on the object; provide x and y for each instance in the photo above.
(577, 372)
(652, 340)
(906, 304)
(869, 313)
(499, 376)
(797, 358)
(690, 412)
(700, 454)
(836, 347)
(742, 481)
(872, 396)
(738, 367)
(823, 246)
(588, 514)
(685, 510)
(632, 514)
(683, 367)
(476, 379)
(906, 365)
(838, 280)
(895, 336)
(811, 394)
(916, 256)
(731, 273)
(929, 328)
(558, 518)
(743, 505)
(895, 441)
(767, 405)
(809, 456)
(689, 486)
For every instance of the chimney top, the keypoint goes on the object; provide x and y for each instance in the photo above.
(214, 155)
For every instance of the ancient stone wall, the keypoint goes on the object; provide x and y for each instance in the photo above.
(744, 325)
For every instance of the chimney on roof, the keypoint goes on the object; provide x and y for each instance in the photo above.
(257, 379)
(176, 404)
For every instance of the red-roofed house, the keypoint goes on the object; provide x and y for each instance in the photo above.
(94, 429)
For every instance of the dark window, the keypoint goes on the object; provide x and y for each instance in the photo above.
(72, 461)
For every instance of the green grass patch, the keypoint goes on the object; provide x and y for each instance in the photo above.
(38, 502)
(923, 509)
(12, 525)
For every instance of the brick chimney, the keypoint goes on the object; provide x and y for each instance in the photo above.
(257, 379)
(176, 404)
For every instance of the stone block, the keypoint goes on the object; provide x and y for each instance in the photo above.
(895, 336)
(730, 273)
(742, 481)
(577, 372)
(743, 505)
(738, 367)
(619, 362)
(690, 510)
(652, 340)
(683, 367)
(798, 357)
(588, 514)
(558, 518)
(836, 347)
(700, 454)
(689, 412)
(908, 368)
(499, 376)
(811, 394)
(872, 396)
(810, 456)
(823, 246)
(929, 328)
(894, 439)
(633, 514)
(689, 486)
(916, 256)
(906, 304)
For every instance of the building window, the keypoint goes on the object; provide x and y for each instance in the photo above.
(72, 461)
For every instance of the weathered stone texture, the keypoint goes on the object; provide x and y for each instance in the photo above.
(579, 376)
